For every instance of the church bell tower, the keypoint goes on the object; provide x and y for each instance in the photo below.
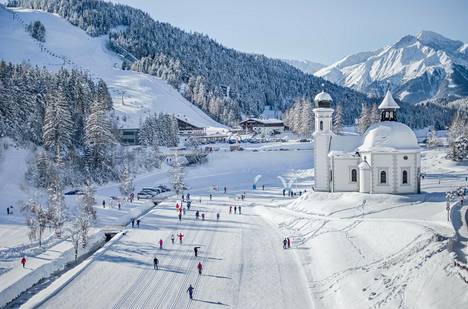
(322, 137)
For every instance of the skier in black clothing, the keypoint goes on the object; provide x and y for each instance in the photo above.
(180, 216)
(211, 197)
(285, 243)
(217, 216)
(133, 223)
(225, 189)
(240, 210)
(190, 291)
(195, 250)
(235, 209)
(138, 223)
(155, 263)
(197, 214)
(172, 238)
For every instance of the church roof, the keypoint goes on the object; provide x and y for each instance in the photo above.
(388, 102)
(323, 96)
(389, 136)
(340, 144)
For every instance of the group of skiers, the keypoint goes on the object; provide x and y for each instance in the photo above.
(236, 208)
(291, 193)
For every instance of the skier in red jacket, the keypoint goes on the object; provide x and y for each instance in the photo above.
(23, 261)
(160, 243)
(181, 236)
(200, 268)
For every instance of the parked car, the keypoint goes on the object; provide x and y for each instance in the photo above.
(145, 195)
(163, 188)
(74, 192)
(151, 190)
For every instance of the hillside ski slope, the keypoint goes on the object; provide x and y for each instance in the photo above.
(136, 95)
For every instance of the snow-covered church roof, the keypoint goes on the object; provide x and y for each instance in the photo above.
(389, 136)
(388, 102)
(344, 144)
(323, 96)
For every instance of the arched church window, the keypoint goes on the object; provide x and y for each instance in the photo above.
(404, 179)
(321, 125)
(353, 175)
(383, 177)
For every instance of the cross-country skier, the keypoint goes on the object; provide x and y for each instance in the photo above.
(181, 236)
(155, 263)
(200, 268)
(190, 291)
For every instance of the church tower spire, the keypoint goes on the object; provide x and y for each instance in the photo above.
(388, 108)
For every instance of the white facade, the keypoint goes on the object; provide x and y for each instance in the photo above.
(386, 159)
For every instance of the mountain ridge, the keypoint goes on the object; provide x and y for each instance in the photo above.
(417, 67)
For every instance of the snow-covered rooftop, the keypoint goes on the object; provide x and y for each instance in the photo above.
(388, 102)
(340, 144)
(265, 121)
(323, 96)
(389, 136)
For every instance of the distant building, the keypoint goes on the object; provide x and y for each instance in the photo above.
(129, 136)
(263, 126)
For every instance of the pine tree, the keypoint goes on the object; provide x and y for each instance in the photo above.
(364, 119)
(58, 124)
(457, 136)
(56, 199)
(89, 201)
(432, 140)
(126, 182)
(177, 174)
(374, 114)
(338, 120)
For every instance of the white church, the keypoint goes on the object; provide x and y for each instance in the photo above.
(386, 159)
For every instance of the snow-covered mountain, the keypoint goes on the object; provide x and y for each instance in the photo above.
(419, 67)
(305, 66)
(135, 95)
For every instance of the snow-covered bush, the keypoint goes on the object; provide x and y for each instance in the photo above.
(37, 30)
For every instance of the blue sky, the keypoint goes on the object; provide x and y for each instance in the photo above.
(322, 31)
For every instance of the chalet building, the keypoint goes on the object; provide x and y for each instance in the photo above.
(263, 126)
(129, 136)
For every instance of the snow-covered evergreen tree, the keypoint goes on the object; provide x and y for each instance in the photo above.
(89, 201)
(56, 199)
(126, 182)
(58, 124)
(338, 120)
(457, 138)
(374, 114)
(364, 120)
(433, 140)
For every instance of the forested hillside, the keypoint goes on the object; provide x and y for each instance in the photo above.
(225, 83)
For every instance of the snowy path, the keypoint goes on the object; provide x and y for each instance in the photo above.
(245, 266)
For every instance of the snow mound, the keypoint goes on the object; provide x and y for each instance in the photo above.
(136, 95)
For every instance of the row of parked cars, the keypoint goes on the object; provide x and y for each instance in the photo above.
(149, 193)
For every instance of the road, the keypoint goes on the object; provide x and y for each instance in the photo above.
(244, 265)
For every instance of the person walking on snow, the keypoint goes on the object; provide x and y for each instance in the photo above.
(161, 242)
(289, 243)
(8, 210)
(235, 209)
(197, 214)
(211, 197)
(285, 243)
(155, 263)
(225, 189)
(240, 210)
(181, 236)
(230, 209)
(200, 268)
(133, 223)
(172, 238)
(138, 223)
(195, 250)
(23, 261)
(103, 203)
(203, 216)
(190, 291)
(217, 216)
(180, 216)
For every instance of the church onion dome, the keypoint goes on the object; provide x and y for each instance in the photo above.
(388, 102)
(364, 165)
(389, 136)
(323, 100)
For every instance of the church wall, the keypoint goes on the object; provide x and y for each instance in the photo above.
(341, 178)
(410, 165)
(382, 162)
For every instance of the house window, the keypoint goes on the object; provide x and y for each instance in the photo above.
(321, 125)
(404, 177)
(383, 177)
(353, 175)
